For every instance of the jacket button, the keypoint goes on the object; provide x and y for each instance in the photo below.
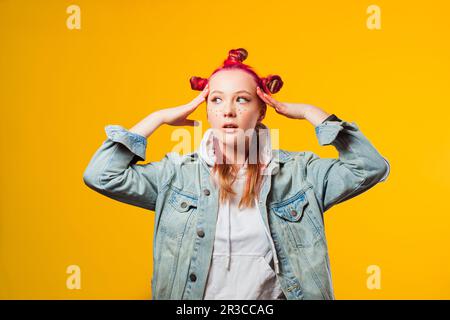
(183, 204)
(293, 213)
(200, 233)
(193, 277)
(206, 192)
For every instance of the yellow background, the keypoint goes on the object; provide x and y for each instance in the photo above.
(60, 87)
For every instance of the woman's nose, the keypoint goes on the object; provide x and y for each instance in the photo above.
(228, 110)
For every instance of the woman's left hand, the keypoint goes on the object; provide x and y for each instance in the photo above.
(290, 110)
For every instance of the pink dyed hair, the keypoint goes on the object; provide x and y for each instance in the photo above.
(270, 84)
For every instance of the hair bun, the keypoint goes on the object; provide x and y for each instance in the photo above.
(237, 55)
(272, 83)
(198, 83)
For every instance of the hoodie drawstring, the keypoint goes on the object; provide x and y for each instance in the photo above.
(207, 153)
(272, 244)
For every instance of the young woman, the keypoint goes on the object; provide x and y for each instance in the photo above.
(237, 219)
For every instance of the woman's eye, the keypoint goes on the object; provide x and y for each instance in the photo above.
(245, 99)
(240, 99)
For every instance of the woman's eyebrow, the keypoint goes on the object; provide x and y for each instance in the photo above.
(235, 92)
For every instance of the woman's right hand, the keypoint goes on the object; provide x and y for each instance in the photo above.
(177, 116)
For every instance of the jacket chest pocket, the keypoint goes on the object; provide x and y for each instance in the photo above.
(176, 217)
(297, 221)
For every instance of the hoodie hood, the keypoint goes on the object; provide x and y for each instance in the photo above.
(206, 151)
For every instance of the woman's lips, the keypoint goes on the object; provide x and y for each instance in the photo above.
(230, 130)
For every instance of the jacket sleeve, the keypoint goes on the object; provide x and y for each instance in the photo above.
(359, 166)
(113, 172)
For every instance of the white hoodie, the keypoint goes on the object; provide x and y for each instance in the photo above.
(243, 247)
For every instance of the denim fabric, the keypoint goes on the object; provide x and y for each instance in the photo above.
(299, 188)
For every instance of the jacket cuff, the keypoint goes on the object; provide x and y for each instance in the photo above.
(133, 141)
(332, 117)
(328, 130)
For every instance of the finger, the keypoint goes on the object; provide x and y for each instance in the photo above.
(279, 107)
(262, 95)
(267, 98)
(204, 92)
(259, 92)
(200, 98)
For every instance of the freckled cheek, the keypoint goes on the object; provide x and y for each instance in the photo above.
(213, 113)
(216, 112)
(242, 110)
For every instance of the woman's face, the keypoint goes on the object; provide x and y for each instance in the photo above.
(232, 99)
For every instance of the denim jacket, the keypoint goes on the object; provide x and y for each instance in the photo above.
(298, 189)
